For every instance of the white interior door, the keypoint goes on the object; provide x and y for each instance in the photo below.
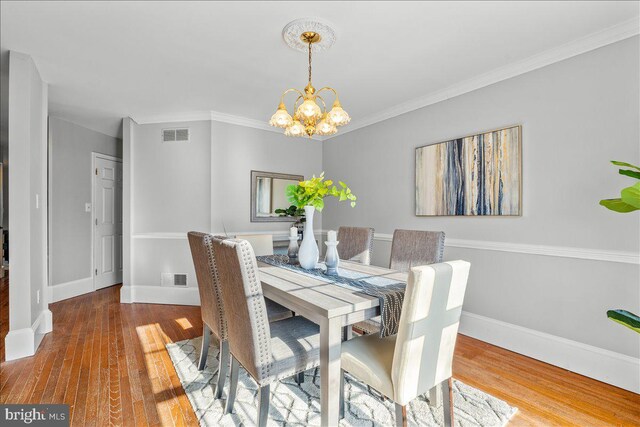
(107, 222)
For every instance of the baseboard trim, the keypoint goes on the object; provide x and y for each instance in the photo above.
(24, 342)
(70, 289)
(159, 295)
(603, 365)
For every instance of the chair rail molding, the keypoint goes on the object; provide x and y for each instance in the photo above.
(544, 250)
(279, 234)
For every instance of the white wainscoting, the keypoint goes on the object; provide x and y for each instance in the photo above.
(70, 289)
(607, 366)
(557, 251)
(604, 365)
(164, 295)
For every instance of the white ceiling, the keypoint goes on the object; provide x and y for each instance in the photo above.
(107, 60)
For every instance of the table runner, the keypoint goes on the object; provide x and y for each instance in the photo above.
(390, 292)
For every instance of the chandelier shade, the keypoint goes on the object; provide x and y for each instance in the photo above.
(310, 115)
(281, 118)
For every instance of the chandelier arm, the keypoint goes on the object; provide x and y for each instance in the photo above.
(288, 91)
(331, 89)
(295, 104)
(324, 106)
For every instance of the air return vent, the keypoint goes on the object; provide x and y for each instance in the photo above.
(175, 135)
(171, 279)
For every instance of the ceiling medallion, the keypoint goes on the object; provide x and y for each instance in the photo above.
(309, 118)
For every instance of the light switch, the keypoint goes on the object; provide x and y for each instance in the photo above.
(87, 207)
(37, 201)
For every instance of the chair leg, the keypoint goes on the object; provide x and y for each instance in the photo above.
(263, 405)
(299, 378)
(435, 397)
(223, 368)
(233, 385)
(401, 415)
(204, 350)
(347, 333)
(341, 394)
(447, 398)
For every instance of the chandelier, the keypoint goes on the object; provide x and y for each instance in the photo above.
(310, 115)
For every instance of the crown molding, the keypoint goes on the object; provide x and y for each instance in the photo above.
(568, 50)
(585, 44)
(188, 116)
(215, 116)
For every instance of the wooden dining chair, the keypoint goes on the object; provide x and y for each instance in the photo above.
(268, 352)
(212, 308)
(409, 248)
(262, 243)
(355, 244)
(420, 356)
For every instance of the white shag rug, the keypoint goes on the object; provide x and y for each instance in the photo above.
(293, 405)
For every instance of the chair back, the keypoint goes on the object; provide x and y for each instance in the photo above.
(411, 248)
(248, 329)
(208, 283)
(428, 328)
(262, 244)
(355, 243)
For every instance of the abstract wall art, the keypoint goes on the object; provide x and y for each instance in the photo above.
(475, 175)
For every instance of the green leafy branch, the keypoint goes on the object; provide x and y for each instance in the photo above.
(313, 191)
(292, 210)
(629, 199)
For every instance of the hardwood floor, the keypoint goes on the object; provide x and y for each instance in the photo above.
(107, 360)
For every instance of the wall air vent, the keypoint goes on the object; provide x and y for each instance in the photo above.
(175, 135)
(171, 279)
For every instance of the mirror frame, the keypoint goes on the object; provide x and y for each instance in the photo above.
(254, 179)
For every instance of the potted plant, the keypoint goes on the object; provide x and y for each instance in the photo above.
(628, 201)
(309, 195)
(294, 212)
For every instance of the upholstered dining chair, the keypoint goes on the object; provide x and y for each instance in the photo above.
(268, 352)
(420, 356)
(262, 243)
(409, 248)
(212, 307)
(355, 243)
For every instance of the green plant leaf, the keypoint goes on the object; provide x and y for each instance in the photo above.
(631, 195)
(617, 205)
(342, 184)
(632, 174)
(625, 318)
(353, 204)
(628, 165)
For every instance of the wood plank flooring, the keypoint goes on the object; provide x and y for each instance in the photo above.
(108, 362)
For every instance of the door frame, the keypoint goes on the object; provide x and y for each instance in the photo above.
(94, 156)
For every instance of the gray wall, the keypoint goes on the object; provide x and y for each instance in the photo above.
(28, 218)
(4, 136)
(576, 115)
(200, 185)
(71, 168)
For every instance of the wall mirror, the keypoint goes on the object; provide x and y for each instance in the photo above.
(268, 194)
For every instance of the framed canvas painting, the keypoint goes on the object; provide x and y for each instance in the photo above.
(475, 175)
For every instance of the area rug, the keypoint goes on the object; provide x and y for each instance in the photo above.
(299, 405)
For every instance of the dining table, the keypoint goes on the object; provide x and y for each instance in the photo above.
(334, 307)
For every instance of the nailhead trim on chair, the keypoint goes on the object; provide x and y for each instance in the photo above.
(216, 286)
(264, 337)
